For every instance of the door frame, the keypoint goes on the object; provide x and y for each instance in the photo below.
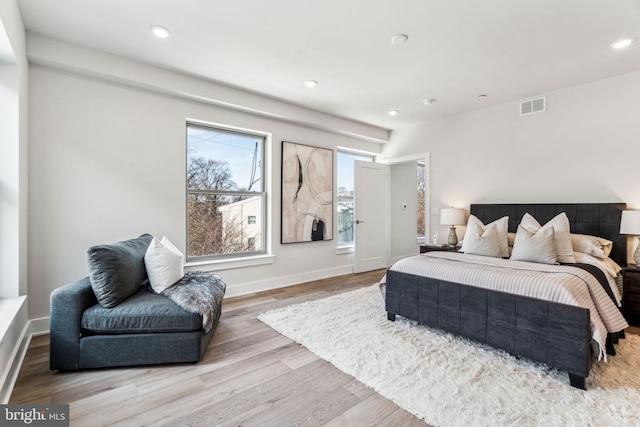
(426, 159)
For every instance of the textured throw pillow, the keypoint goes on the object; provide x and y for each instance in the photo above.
(591, 245)
(535, 247)
(560, 225)
(164, 263)
(117, 271)
(487, 242)
(502, 226)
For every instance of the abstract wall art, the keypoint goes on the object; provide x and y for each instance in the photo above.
(307, 193)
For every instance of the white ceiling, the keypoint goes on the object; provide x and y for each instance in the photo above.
(457, 49)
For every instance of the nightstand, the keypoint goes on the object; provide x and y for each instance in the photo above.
(631, 294)
(429, 248)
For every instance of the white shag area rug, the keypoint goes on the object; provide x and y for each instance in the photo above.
(451, 381)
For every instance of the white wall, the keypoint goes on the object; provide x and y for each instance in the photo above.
(584, 148)
(107, 163)
(403, 177)
(13, 194)
(13, 152)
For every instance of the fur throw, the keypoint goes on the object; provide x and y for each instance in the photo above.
(199, 292)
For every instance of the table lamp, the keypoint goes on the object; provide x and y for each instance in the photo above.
(452, 217)
(630, 224)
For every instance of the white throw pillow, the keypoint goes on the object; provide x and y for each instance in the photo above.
(535, 247)
(502, 226)
(164, 264)
(560, 225)
(487, 242)
(591, 245)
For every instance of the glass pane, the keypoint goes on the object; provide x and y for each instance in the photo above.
(420, 217)
(346, 195)
(222, 160)
(219, 224)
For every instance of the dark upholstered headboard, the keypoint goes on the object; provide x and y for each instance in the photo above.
(596, 219)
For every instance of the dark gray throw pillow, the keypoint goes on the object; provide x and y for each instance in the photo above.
(117, 271)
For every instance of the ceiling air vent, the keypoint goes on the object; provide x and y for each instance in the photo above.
(531, 106)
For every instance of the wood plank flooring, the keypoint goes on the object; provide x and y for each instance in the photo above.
(249, 376)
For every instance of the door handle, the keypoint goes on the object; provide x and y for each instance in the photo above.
(359, 222)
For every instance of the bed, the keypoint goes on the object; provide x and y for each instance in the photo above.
(559, 334)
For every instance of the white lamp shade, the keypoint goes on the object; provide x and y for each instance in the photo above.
(630, 223)
(452, 216)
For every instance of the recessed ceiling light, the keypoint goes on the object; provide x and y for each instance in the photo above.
(399, 38)
(159, 31)
(428, 101)
(392, 112)
(310, 83)
(622, 43)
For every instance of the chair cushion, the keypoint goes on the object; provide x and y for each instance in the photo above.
(144, 312)
(117, 271)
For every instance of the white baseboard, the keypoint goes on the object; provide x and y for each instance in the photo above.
(39, 326)
(283, 282)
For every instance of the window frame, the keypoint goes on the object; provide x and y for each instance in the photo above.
(236, 259)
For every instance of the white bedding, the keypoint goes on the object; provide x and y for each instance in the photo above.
(559, 283)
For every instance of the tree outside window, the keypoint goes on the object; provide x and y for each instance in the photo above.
(226, 209)
(422, 194)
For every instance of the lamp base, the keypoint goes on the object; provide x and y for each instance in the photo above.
(636, 254)
(452, 240)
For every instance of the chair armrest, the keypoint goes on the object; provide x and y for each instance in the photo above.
(67, 305)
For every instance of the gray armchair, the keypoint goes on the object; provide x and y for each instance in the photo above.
(143, 328)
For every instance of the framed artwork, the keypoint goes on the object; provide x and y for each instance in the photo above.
(307, 193)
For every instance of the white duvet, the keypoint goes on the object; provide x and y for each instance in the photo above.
(559, 283)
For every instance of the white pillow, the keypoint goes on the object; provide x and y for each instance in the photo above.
(591, 245)
(164, 264)
(485, 242)
(502, 226)
(560, 225)
(605, 264)
(535, 247)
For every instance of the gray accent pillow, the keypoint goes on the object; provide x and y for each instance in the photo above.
(117, 271)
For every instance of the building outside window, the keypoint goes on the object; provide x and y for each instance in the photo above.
(225, 185)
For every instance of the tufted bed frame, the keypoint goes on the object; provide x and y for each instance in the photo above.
(548, 332)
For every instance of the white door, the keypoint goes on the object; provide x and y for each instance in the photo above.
(371, 185)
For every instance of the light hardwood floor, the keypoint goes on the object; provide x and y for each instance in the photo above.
(249, 376)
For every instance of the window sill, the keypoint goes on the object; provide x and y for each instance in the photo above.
(345, 250)
(229, 263)
(9, 309)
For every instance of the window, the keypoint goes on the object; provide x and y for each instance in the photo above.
(422, 191)
(225, 185)
(346, 195)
